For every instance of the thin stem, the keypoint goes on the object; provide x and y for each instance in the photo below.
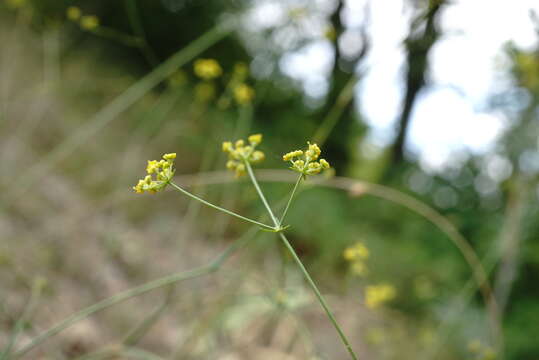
(136, 291)
(193, 196)
(291, 197)
(134, 336)
(261, 194)
(318, 295)
(300, 264)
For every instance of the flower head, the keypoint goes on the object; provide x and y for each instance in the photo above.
(207, 69)
(163, 170)
(305, 162)
(239, 153)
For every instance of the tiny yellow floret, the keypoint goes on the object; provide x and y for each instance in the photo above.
(153, 166)
(291, 155)
(227, 146)
(255, 139)
(324, 164)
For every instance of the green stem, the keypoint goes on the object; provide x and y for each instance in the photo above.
(193, 196)
(136, 291)
(291, 197)
(318, 296)
(261, 194)
(301, 266)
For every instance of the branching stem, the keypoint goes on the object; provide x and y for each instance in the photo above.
(299, 263)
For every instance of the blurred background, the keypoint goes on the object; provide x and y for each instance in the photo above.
(428, 111)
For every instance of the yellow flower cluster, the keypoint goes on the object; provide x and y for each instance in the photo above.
(376, 295)
(356, 256)
(163, 170)
(207, 69)
(86, 22)
(306, 163)
(239, 153)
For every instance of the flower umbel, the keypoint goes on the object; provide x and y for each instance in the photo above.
(305, 162)
(239, 153)
(163, 170)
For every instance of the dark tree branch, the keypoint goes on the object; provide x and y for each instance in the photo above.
(418, 45)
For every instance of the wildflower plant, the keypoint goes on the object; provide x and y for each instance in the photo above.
(241, 156)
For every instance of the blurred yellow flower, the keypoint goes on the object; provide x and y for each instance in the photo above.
(359, 268)
(376, 295)
(89, 22)
(207, 69)
(243, 94)
(355, 252)
(73, 13)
